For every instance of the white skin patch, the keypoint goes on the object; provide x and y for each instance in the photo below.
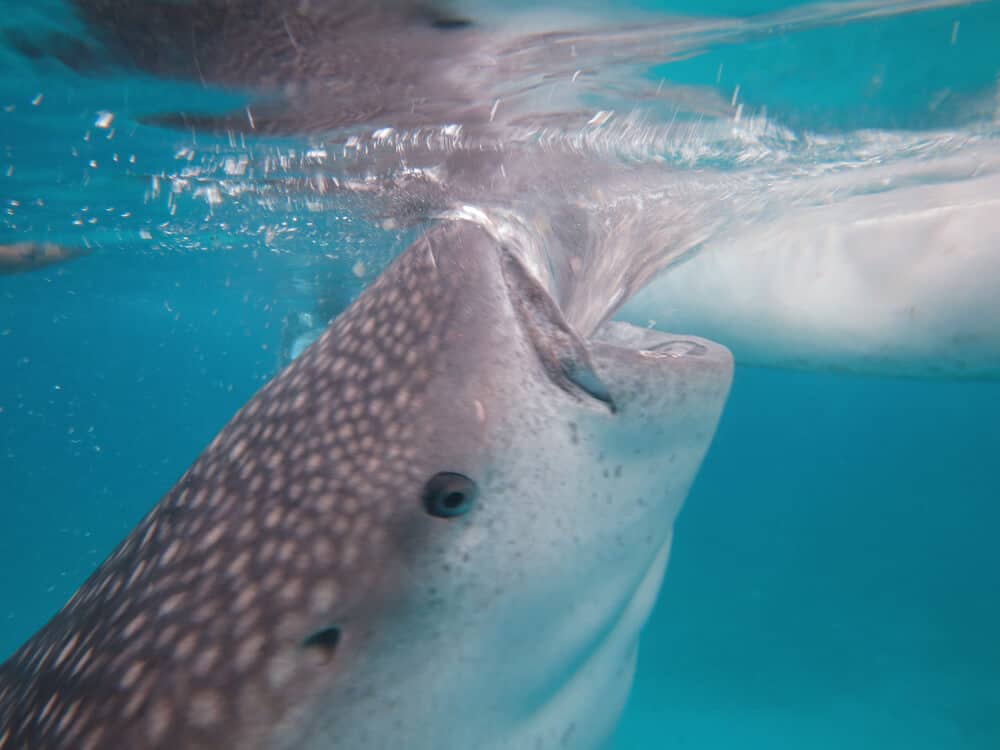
(212, 537)
(66, 718)
(132, 675)
(323, 597)
(249, 651)
(158, 720)
(149, 534)
(83, 661)
(135, 625)
(47, 708)
(67, 649)
(185, 647)
(291, 591)
(166, 636)
(238, 450)
(280, 670)
(170, 552)
(139, 568)
(205, 708)
(206, 661)
(238, 566)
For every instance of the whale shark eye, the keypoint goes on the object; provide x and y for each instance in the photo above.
(449, 494)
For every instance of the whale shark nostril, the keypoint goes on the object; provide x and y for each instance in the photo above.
(449, 494)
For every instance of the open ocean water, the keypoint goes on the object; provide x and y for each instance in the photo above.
(835, 578)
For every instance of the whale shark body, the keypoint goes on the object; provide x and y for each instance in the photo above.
(442, 526)
(902, 282)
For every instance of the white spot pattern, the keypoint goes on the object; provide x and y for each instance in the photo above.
(197, 620)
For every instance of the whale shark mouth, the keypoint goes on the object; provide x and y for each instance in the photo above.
(561, 352)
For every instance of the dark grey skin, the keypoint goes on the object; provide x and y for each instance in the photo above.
(308, 565)
(294, 521)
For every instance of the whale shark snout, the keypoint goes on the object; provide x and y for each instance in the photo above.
(516, 626)
(442, 526)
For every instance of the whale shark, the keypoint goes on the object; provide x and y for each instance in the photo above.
(442, 526)
(892, 282)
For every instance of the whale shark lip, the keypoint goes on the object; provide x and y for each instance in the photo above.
(654, 344)
(639, 363)
(675, 349)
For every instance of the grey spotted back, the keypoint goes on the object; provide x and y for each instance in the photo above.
(264, 569)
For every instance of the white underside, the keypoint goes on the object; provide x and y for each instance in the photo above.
(903, 282)
(582, 715)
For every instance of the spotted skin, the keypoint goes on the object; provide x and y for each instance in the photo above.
(292, 591)
(281, 527)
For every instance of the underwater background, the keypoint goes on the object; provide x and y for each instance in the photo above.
(835, 579)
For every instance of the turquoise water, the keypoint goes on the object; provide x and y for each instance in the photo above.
(835, 580)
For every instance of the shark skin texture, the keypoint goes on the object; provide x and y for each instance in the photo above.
(442, 526)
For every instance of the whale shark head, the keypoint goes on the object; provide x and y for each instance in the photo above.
(442, 526)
